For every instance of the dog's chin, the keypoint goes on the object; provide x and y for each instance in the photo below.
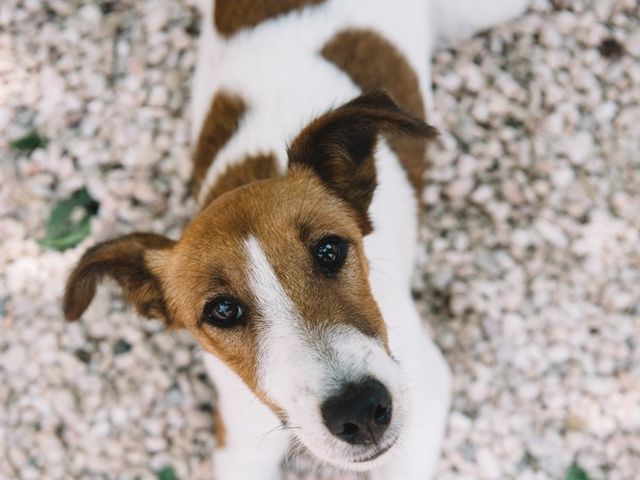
(371, 460)
(359, 462)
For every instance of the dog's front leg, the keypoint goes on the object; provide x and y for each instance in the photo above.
(252, 446)
(429, 381)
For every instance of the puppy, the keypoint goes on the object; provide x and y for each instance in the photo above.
(294, 276)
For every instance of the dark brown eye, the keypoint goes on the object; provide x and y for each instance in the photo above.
(223, 312)
(330, 254)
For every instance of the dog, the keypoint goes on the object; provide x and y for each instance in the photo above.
(294, 276)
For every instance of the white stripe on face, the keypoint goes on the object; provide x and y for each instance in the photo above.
(281, 342)
(298, 368)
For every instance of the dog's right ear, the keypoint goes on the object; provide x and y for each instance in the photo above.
(339, 146)
(126, 260)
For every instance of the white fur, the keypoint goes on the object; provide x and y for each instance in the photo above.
(299, 368)
(255, 443)
(457, 19)
(277, 69)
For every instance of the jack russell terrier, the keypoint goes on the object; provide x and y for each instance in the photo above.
(294, 277)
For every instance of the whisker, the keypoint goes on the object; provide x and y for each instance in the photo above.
(390, 277)
(383, 259)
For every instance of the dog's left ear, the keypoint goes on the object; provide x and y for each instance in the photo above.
(339, 146)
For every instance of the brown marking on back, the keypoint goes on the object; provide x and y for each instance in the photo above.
(230, 16)
(219, 125)
(372, 62)
(252, 168)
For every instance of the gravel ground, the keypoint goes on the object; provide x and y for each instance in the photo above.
(531, 269)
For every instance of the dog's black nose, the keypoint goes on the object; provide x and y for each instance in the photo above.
(360, 413)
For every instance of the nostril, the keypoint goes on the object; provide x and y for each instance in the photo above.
(349, 432)
(382, 415)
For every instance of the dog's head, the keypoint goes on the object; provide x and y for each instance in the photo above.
(272, 278)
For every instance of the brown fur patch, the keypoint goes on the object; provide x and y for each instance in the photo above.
(219, 125)
(230, 16)
(252, 168)
(123, 259)
(220, 429)
(372, 62)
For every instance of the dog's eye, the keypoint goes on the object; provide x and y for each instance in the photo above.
(330, 254)
(223, 312)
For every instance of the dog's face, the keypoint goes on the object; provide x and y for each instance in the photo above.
(272, 278)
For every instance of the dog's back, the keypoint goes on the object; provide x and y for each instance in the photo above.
(289, 67)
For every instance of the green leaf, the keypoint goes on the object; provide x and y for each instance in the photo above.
(167, 473)
(576, 473)
(514, 123)
(28, 142)
(66, 230)
(121, 346)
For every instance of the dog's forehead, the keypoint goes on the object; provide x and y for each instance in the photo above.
(277, 211)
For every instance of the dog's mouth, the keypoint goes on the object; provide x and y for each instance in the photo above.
(378, 452)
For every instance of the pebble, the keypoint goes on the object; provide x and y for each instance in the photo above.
(579, 148)
(489, 465)
(458, 189)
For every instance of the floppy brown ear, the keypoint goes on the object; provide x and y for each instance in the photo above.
(125, 260)
(339, 146)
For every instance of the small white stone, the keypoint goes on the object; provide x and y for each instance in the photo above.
(499, 211)
(182, 358)
(467, 165)
(14, 358)
(90, 13)
(459, 188)
(481, 112)
(579, 148)
(482, 194)
(431, 195)
(473, 78)
(625, 205)
(512, 192)
(489, 465)
(566, 21)
(5, 117)
(562, 177)
(551, 233)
